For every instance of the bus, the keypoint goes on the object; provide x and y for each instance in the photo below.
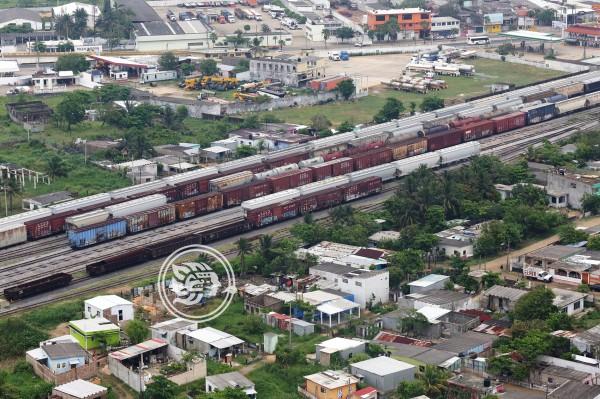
(478, 40)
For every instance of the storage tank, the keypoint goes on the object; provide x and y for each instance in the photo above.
(233, 180)
(310, 162)
(136, 205)
(385, 172)
(137, 189)
(270, 199)
(79, 203)
(324, 185)
(192, 175)
(275, 171)
(25, 216)
(87, 219)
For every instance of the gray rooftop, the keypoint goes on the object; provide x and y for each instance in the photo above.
(563, 298)
(572, 390)
(591, 336)
(465, 342)
(555, 252)
(442, 297)
(505, 292)
(229, 380)
(141, 11)
(10, 14)
(434, 357)
(46, 199)
(63, 351)
(564, 372)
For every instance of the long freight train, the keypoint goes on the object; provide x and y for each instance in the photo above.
(96, 218)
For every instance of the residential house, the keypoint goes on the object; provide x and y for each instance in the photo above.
(442, 322)
(169, 330)
(422, 356)
(568, 189)
(428, 283)
(587, 341)
(366, 286)
(95, 333)
(330, 384)
(447, 299)
(219, 382)
(384, 373)
(493, 22)
(467, 343)
(79, 389)
(344, 347)
(216, 154)
(570, 302)
(588, 366)
(20, 17)
(110, 307)
(212, 342)
(262, 303)
(44, 200)
(292, 70)
(500, 298)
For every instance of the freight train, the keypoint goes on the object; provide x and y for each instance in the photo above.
(92, 219)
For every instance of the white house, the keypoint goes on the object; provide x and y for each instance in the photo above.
(212, 342)
(568, 301)
(111, 307)
(365, 285)
(21, 17)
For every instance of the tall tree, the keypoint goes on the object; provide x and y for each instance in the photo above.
(535, 305)
(243, 247)
(168, 61)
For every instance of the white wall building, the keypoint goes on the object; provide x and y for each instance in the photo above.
(444, 26)
(168, 329)
(21, 17)
(107, 306)
(365, 285)
(428, 283)
(92, 11)
(570, 302)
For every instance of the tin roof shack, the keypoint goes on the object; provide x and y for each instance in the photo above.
(220, 382)
(384, 373)
(110, 307)
(423, 355)
(499, 298)
(32, 115)
(59, 362)
(573, 389)
(328, 385)
(446, 299)
(570, 302)
(588, 341)
(337, 312)
(344, 347)
(282, 322)
(428, 283)
(95, 333)
(79, 389)
(127, 364)
(212, 342)
(262, 303)
(44, 200)
(442, 322)
(382, 236)
(366, 286)
(170, 330)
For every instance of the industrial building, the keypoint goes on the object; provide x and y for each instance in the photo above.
(21, 17)
(292, 70)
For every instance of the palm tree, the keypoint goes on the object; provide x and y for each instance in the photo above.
(39, 47)
(265, 28)
(13, 187)
(243, 246)
(55, 167)
(266, 245)
(213, 38)
(281, 43)
(434, 380)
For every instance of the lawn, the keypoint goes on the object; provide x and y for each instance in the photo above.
(363, 109)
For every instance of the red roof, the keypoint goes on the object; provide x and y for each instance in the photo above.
(483, 316)
(590, 30)
(365, 391)
(400, 339)
(280, 316)
(370, 253)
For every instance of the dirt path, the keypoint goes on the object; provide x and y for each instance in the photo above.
(495, 264)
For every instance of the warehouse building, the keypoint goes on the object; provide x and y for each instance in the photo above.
(384, 373)
(20, 17)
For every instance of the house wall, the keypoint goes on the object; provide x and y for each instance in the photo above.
(85, 372)
(169, 336)
(195, 372)
(129, 377)
(95, 340)
(385, 383)
(575, 188)
(412, 24)
(91, 312)
(60, 366)
(324, 393)
(345, 354)
(573, 308)
(465, 251)
(436, 286)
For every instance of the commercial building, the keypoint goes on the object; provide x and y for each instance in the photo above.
(79, 389)
(344, 347)
(428, 283)
(111, 307)
(444, 27)
(412, 22)
(316, 28)
(343, 254)
(235, 380)
(291, 70)
(384, 373)
(366, 286)
(20, 17)
(95, 333)
(328, 384)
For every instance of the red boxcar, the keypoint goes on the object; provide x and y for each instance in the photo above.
(477, 130)
(47, 226)
(333, 155)
(361, 149)
(275, 163)
(233, 196)
(199, 205)
(151, 218)
(172, 193)
(463, 122)
(508, 122)
(291, 179)
(372, 158)
(258, 189)
(322, 171)
(362, 188)
(308, 204)
(440, 140)
(272, 214)
(330, 198)
(342, 166)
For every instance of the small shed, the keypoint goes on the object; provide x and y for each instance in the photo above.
(80, 389)
(384, 373)
(270, 342)
(45, 200)
(301, 327)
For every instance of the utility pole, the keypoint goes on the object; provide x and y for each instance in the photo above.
(290, 328)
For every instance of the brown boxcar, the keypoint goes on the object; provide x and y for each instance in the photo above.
(372, 158)
(272, 213)
(291, 179)
(362, 188)
(199, 205)
(258, 189)
(233, 196)
(508, 122)
(330, 198)
(172, 193)
(342, 166)
(463, 122)
(477, 130)
(409, 148)
(332, 155)
(290, 159)
(47, 226)
(322, 171)
(437, 141)
(151, 218)
(529, 98)
(361, 149)
(308, 204)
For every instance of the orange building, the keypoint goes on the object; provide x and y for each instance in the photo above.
(328, 384)
(409, 19)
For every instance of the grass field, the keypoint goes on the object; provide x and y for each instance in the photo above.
(363, 109)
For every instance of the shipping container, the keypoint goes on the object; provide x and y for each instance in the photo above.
(330, 198)
(258, 189)
(97, 233)
(441, 140)
(322, 172)
(136, 205)
(150, 219)
(333, 156)
(327, 184)
(45, 227)
(362, 188)
(172, 193)
(477, 130)
(25, 216)
(384, 172)
(199, 205)
(38, 286)
(234, 196)
(570, 90)
(573, 104)
(87, 219)
(508, 122)
(372, 158)
(117, 262)
(291, 179)
(539, 113)
(79, 203)
(272, 214)
(459, 152)
(137, 189)
(12, 235)
(271, 199)
(307, 204)
(233, 180)
(408, 165)
(408, 148)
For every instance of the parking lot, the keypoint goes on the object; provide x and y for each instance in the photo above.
(372, 69)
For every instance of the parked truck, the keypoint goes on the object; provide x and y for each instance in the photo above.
(536, 273)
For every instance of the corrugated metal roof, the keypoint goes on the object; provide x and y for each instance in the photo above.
(142, 347)
(505, 292)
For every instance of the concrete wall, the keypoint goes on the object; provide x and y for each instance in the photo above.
(84, 372)
(546, 64)
(129, 377)
(195, 372)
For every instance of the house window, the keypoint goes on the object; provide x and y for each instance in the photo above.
(424, 16)
(573, 185)
(407, 17)
(380, 18)
(577, 305)
(120, 315)
(323, 390)
(358, 283)
(345, 280)
(89, 309)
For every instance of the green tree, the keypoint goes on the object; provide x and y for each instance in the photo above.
(243, 247)
(529, 195)
(265, 28)
(208, 67)
(245, 151)
(320, 123)
(391, 110)
(410, 389)
(345, 126)
(344, 33)
(266, 246)
(168, 61)
(72, 62)
(591, 203)
(161, 388)
(413, 324)
(435, 218)
(408, 262)
(56, 167)
(536, 304)
(491, 279)
(559, 321)
(228, 393)
(80, 19)
(137, 331)
(70, 111)
(431, 103)
(570, 235)
(346, 88)
(434, 379)
(247, 28)
(412, 106)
